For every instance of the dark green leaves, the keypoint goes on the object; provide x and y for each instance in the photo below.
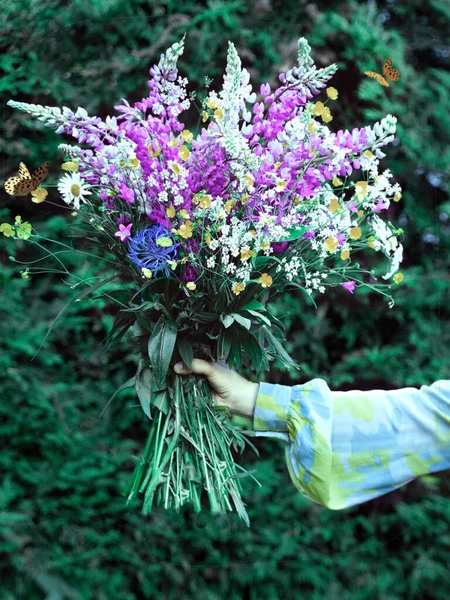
(144, 383)
(160, 348)
(186, 351)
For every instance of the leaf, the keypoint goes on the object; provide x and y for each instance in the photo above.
(205, 317)
(241, 320)
(160, 348)
(186, 351)
(130, 383)
(259, 315)
(144, 381)
(297, 232)
(223, 345)
(79, 296)
(161, 401)
(122, 323)
(227, 320)
(274, 343)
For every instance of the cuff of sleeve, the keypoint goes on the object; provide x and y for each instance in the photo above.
(271, 407)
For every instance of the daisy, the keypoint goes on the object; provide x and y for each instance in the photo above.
(73, 189)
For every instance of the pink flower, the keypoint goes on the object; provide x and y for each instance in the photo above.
(124, 232)
(349, 286)
(126, 194)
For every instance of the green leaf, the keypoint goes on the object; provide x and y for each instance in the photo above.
(144, 382)
(276, 345)
(160, 348)
(223, 345)
(227, 320)
(130, 383)
(186, 351)
(205, 317)
(297, 232)
(259, 315)
(241, 320)
(161, 401)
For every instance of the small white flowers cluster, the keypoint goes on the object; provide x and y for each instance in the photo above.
(291, 267)
(313, 282)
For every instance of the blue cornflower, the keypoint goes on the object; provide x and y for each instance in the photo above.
(145, 253)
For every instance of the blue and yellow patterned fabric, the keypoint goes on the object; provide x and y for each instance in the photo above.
(344, 448)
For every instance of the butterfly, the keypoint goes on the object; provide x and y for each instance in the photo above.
(388, 72)
(26, 183)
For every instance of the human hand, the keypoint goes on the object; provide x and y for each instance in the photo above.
(228, 387)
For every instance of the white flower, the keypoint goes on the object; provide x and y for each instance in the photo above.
(73, 189)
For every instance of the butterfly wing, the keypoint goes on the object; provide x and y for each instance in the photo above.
(39, 175)
(378, 77)
(18, 186)
(389, 72)
(24, 173)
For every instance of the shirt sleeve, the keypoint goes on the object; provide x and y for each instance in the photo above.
(345, 448)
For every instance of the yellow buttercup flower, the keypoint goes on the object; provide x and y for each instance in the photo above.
(398, 277)
(361, 188)
(212, 102)
(371, 242)
(207, 237)
(183, 152)
(246, 254)
(219, 114)
(252, 232)
(184, 213)
(265, 280)
(133, 162)
(336, 181)
(205, 116)
(205, 201)
(296, 201)
(249, 181)
(238, 288)
(187, 136)
(355, 233)
(397, 197)
(332, 93)
(276, 165)
(265, 245)
(74, 213)
(330, 244)
(186, 230)
(191, 285)
(39, 195)
(368, 153)
(175, 167)
(184, 260)
(170, 211)
(229, 205)
(334, 205)
(147, 273)
(326, 115)
(281, 185)
(312, 126)
(360, 213)
(154, 153)
(70, 165)
(318, 108)
(345, 254)
(173, 143)
(7, 230)
(245, 198)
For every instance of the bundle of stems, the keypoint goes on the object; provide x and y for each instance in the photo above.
(188, 451)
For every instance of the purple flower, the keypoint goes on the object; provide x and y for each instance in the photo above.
(279, 247)
(145, 252)
(124, 232)
(349, 286)
(126, 194)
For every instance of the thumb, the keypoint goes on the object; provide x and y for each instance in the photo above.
(198, 366)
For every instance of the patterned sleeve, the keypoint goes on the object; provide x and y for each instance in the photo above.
(344, 448)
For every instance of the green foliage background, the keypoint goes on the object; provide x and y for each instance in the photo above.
(64, 530)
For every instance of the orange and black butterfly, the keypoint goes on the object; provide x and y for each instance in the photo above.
(26, 183)
(388, 72)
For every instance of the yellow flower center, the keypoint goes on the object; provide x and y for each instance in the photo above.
(75, 190)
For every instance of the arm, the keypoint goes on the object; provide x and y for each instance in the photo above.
(344, 448)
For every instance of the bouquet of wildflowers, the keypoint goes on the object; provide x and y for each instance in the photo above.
(204, 230)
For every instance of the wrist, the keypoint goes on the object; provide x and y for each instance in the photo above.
(247, 405)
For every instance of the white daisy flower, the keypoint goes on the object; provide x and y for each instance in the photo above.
(73, 189)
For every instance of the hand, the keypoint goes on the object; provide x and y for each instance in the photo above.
(228, 387)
